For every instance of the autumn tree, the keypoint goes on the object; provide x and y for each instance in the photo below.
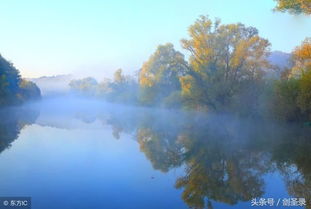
(302, 69)
(302, 59)
(223, 59)
(292, 98)
(294, 6)
(159, 76)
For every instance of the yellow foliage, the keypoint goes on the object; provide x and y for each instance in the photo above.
(186, 84)
(146, 78)
(302, 59)
(234, 49)
(294, 6)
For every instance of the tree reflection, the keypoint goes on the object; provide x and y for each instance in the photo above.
(293, 157)
(11, 123)
(161, 149)
(218, 169)
(225, 158)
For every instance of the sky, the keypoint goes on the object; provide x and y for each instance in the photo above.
(96, 37)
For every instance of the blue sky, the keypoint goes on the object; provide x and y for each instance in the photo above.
(89, 37)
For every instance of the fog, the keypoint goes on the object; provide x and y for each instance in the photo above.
(71, 111)
(225, 158)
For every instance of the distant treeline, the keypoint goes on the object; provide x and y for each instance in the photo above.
(13, 89)
(226, 72)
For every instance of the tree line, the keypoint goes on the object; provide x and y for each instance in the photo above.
(225, 72)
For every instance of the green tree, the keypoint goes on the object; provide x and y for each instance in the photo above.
(304, 98)
(9, 82)
(124, 88)
(13, 89)
(285, 100)
(28, 91)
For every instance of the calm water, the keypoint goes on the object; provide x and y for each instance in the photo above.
(85, 154)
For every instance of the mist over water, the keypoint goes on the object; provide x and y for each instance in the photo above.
(66, 148)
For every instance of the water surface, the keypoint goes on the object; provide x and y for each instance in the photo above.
(92, 155)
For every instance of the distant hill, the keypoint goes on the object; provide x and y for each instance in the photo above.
(280, 59)
(53, 84)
